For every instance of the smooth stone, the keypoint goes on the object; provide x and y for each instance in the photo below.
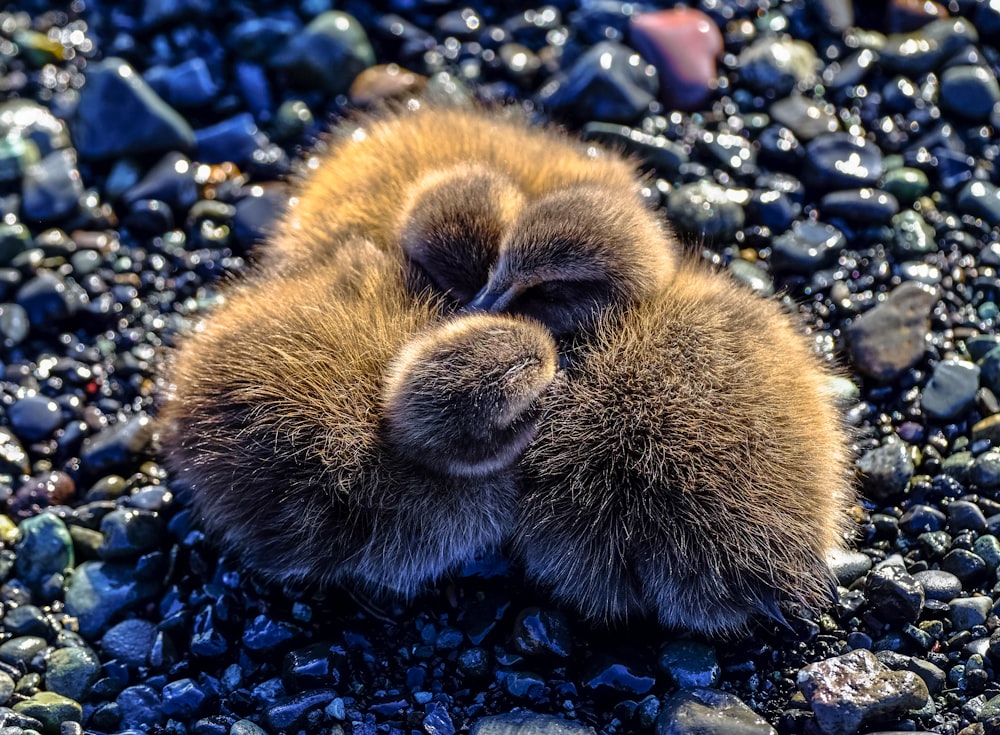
(6, 687)
(140, 707)
(938, 585)
(290, 713)
(888, 340)
(17, 155)
(985, 472)
(987, 548)
(27, 620)
(235, 139)
(384, 82)
(72, 671)
(262, 632)
(609, 83)
(98, 591)
(294, 118)
(13, 457)
(528, 723)
(257, 38)
(117, 446)
(778, 66)
(540, 632)
(846, 690)
(19, 651)
(966, 565)
(35, 417)
(605, 673)
(51, 710)
(51, 189)
(664, 155)
(980, 199)
(987, 429)
(775, 210)
(170, 180)
(969, 92)
(895, 596)
(14, 324)
(967, 612)
(120, 115)
(965, 516)
(951, 389)
(868, 206)
(842, 161)
(683, 44)
(189, 84)
(690, 664)
(129, 533)
(848, 566)
(45, 549)
(182, 698)
(906, 184)
(706, 210)
(523, 684)
(246, 727)
(130, 642)
(257, 213)
(912, 235)
(921, 51)
(48, 300)
(804, 117)
(904, 16)
(989, 366)
(327, 54)
(701, 711)
(886, 470)
(26, 120)
(922, 518)
(751, 276)
(731, 151)
(14, 240)
(807, 247)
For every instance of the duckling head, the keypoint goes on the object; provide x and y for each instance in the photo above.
(462, 399)
(576, 252)
(451, 228)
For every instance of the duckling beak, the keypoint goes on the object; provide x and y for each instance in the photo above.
(489, 300)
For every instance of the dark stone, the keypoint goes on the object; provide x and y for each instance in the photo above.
(866, 206)
(969, 92)
(539, 632)
(236, 139)
(48, 300)
(171, 181)
(51, 189)
(664, 155)
(938, 585)
(189, 84)
(965, 565)
(607, 673)
(842, 161)
(130, 642)
(888, 340)
(690, 664)
(327, 54)
(291, 712)
(706, 211)
(129, 533)
(98, 591)
(895, 596)
(117, 447)
(886, 470)
(182, 698)
(34, 417)
(951, 389)
(922, 518)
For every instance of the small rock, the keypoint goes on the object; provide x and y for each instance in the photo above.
(45, 549)
(130, 642)
(48, 301)
(34, 417)
(938, 585)
(868, 206)
(327, 54)
(980, 199)
(528, 723)
(922, 518)
(98, 591)
(706, 210)
(19, 651)
(951, 389)
(842, 161)
(290, 713)
(129, 533)
(895, 596)
(182, 698)
(189, 84)
(690, 664)
(805, 117)
(965, 565)
(140, 707)
(606, 673)
(51, 189)
(969, 92)
(846, 690)
(72, 671)
(116, 447)
(539, 632)
(437, 721)
(777, 66)
(51, 710)
(967, 612)
(384, 82)
(697, 711)
(886, 470)
(806, 248)
(848, 566)
(235, 139)
(890, 339)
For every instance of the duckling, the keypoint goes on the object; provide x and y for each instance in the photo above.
(438, 189)
(690, 464)
(332, 430)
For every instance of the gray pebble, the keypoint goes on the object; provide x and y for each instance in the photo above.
(50, 709)
(938, 585)
(888, 340)
(528, 723)
(895, 596)
(72, 671)
(967, 612)
(45, 549)
(969, 92)
(51, 188)
(848, 566)
(951, 389)
(706, 210)
(130, 642)
(697, 711)
(19, 651)
(912, 235)
(327, 54)
(100, 590)
(886, 470)
(690, 664)
(778, 65)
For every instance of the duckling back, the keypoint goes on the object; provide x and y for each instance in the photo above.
(690, 464)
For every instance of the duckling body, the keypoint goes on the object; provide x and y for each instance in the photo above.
(302, 421)
(690, 464)
(439, 189)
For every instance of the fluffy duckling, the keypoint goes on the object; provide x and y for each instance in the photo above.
(332, 434)
(690, 464)
(440, 189)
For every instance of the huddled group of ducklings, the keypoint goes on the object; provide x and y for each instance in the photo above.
(469, 332)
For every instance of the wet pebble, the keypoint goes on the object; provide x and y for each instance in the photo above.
(44, 552)
(263, 632)
(895, 596)
(703, 209)
(609, 82)
(869, 206)
(98, 591)
(120, 115)
(19, 651)
(886, 470)
(699, 710)
(540, 632)
(842, 161)
(327, 54)
(846, 690)
(690, 664)
(72, 671)
(980, 199)
(969, 92)
(528, 723)
(235, 139)
(129, 533)
(938, 584)
(922, 518)
(683, 44)
(777, 66)
(951, 389)
(182, 698)
(664, 155)
(292, 712)
(116, 446)
(806, 118)
(50, 709)
(140, 707)
(886, 341)
(48, 301)
(911, 234)
(848, 566)
(619, 676)
(170, 180)
(967, 612)
(51, 188)
(964, 564)
(34, 417)
(807, 247)
(188, 84)
(130, 642)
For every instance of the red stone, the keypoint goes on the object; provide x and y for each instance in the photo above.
(684, 45)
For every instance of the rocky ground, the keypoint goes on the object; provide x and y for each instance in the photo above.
(845, 157)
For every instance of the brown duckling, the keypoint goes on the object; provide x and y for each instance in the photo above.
(439, 189)
(690, 464)
(331, 433)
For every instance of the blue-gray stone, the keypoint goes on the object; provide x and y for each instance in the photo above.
(922, 518)
(690, 664)
(290, 713)
(51, 189)
(987, 548)
(171, 180)
(257, 214)
(538, 632)
(752, 276)
(967, 612)
(980, 199)
(970, 92)
(891, 338)
(806, 248)
(19, 651)
(14, 323)
(989, 366)
(528, 723)
(964, 564)
(48, 300)
(842, 161)
(523, 684)
(867, 206)
(34, 417)
(246, 727)
(664, 155)
(437, 721)
(28, 121)
(72, 671)
(235, 139)
(703, 209)
(120, 115)
(609, 673)
(938, 585)
(189, 84)
(895, 596)
(886, 470)
(327, 55)
(848, 566)
(985, 472)
(51, 709)
(262, 632)
(182, 698)
(951, 389)
(805, 117)
(45, 549)
(610, 82)
(116, 447)
(777, 65)
(702, 711)
(257, 38)
(140, 707)
(98, 591)
(15, 238)
(130, 642)
(129, 532)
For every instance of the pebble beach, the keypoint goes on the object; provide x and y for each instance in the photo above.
(841, 157)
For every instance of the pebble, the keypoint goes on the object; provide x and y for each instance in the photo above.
(72, 671)
(868, 206)
(19, 651)
(895, 596)
(117, 446)
(170, 180)
(969, 92)
(619, 676)
(437, 721)
(842, 161)
(130, 642)
(690, 664)
(528, 723)
(327, 54)
(846, 690)
(291, 712)
(120, 115)
(51, 710)
(44, 550)
(182, 698)
(806, 118)
(980, 199)
(807, 247)
(26, 120)
(34, 417)
(848, 566)
(951, 389)
(705, 210)
(938, 584)
(189, 84)
(609, 82)
(51, 189)
(683, 44)
(906, 184)
(700, 710)
(129, 533)
(964, 564)
(664, 155)
(912, 235)
(384, 82)
(968, 612)
(989, 366)
(98, 591)
(539, 632)
(140, 707)
(48, 301)
(777, 66)
(888, 340)
(235, 139)
(886, 470)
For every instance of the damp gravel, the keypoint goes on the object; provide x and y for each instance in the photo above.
(843, 156)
